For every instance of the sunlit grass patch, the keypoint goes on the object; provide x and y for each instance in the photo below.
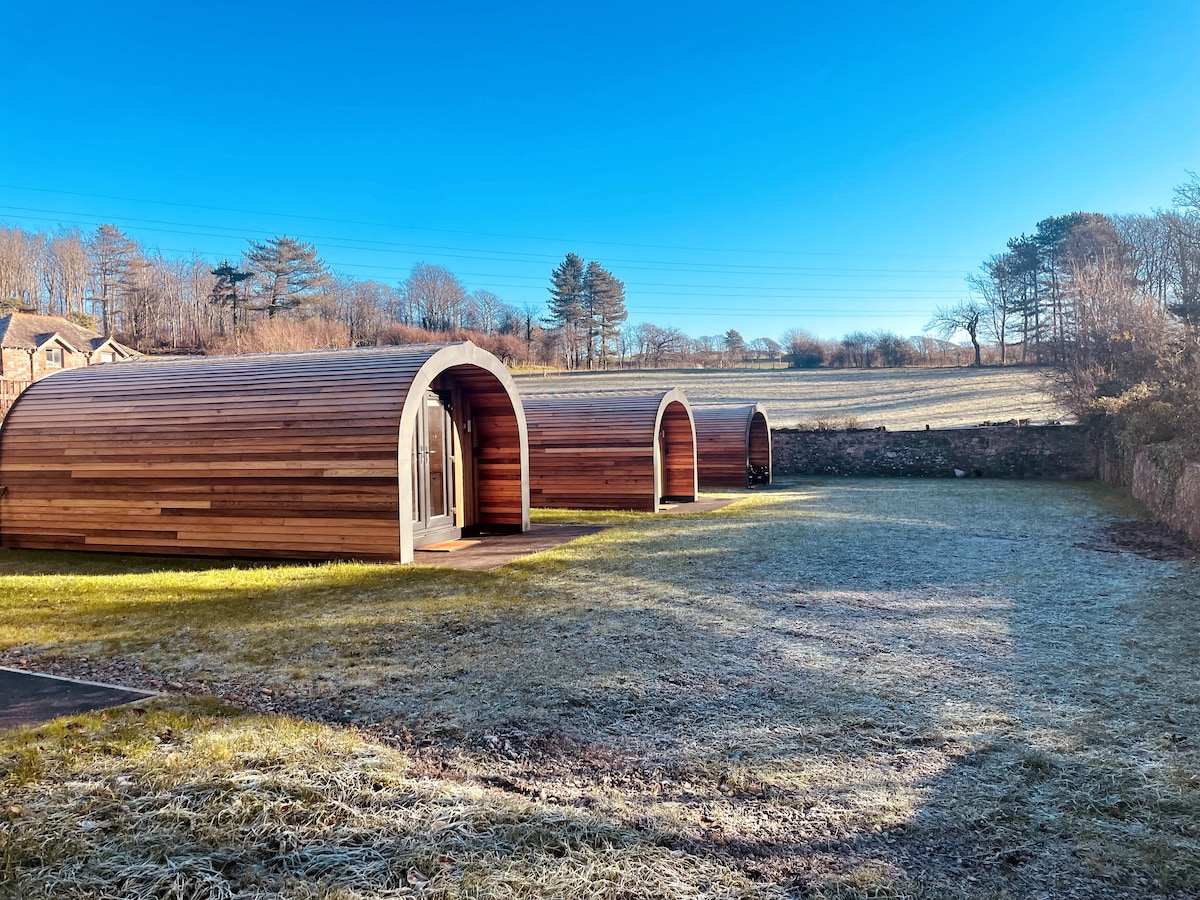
(187, 800)
(210, 607)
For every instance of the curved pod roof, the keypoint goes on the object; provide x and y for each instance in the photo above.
(294, 455)
(610, 449)
(733, 445)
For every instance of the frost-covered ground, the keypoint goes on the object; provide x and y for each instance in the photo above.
(900, 399)
(834, 688)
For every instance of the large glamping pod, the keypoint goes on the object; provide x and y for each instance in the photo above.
(342, 454)
(610, 449)
(733, 445)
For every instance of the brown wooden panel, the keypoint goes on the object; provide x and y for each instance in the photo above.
(729, 439)
(600, 449)
(292, 455)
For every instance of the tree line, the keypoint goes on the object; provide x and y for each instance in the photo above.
(1112, 305)
(1080, 284)
(279, 289)
(280, 295)
(1085, 286)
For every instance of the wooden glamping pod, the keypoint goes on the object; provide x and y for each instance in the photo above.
(610, 449)
(342, 454)
(733, 445)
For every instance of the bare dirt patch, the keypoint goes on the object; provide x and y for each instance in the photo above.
(1153, 540)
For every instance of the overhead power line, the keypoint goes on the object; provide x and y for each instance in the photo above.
(394, 247)
(406, 227)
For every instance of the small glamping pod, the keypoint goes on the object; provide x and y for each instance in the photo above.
(733, 445)
(340, 454)
(610, 449)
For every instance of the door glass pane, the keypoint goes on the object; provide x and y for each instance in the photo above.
(437, 458)
(416, 478)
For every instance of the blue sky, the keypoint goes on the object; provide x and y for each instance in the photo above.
(751, 166)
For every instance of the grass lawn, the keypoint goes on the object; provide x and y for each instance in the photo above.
(900, 399)
(835, 688)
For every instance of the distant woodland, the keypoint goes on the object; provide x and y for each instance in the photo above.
(280, 295)
(1079, 287)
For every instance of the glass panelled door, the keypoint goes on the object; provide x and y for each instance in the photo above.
(433, 471)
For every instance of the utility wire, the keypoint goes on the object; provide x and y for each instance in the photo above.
(491, 255)
(405, 227)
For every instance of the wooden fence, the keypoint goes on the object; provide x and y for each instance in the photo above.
(9, 391)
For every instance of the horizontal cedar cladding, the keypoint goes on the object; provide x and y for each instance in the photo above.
(600, 449)
(729, 438)
(279, 455)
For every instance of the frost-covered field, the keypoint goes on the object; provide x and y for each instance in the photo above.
(830, 689)
(900, 399)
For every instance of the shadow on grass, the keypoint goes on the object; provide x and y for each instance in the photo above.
(1003, 819)
(955, 640)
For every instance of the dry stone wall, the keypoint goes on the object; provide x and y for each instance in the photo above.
(1041, 451)
(1164, 477)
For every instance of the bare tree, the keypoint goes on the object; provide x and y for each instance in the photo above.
(965, 316)
(1184, 237)
(1122, 335)
(363, 307)
(856, 349)
(66, 275)
(656, 343)
(1148, 239)
(803, 349)
(997, 288)
(200, 318)
(484, 311)
(892, 349)
(20, 255)
(435, 296)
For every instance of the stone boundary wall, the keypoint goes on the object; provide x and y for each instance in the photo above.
(994, 451)
(1162, 477)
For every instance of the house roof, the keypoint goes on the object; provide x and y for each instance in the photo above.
(42, 339)
(25, 331)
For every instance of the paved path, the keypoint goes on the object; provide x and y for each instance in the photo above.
(27, 698)
(701, 504)
(494, 550)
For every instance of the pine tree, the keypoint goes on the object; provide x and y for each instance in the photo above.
(604, 311)
(225, 291)
(735, 346)
(567, 304)
(112, 255)
(288, 271)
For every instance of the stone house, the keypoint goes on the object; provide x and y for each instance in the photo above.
(33, 346)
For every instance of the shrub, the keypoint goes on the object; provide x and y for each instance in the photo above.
(1152, 414)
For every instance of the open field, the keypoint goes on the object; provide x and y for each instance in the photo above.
(832, 689)
(900, 399)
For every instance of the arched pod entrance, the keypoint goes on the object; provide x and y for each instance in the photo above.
(292, 455)
(610, 449)
(733, 445)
